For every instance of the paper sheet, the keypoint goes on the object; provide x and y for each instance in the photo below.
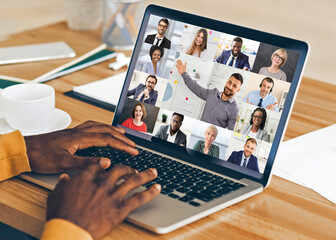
(107, 90)
(310, 160)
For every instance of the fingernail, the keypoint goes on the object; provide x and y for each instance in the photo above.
(154, 171)
(157, 186)
(63, 175)
(105, 162)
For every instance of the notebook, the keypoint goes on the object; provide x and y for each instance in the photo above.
(207, 103)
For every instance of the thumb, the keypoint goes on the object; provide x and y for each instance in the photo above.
(82, 162)
(247, 100)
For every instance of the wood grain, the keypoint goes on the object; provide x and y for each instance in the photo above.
(283, 211)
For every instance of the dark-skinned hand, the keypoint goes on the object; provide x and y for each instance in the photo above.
(54, 152)
(95, 202)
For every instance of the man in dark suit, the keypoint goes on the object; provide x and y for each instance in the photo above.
(234, 57)
(145, 93)
(159, 39)
(246, 158)
(172, 132)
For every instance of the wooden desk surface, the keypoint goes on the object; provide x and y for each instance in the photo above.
(283, 211)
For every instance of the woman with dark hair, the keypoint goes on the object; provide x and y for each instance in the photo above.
(136, 121)
(257, 124)
(198, 47)
(155, 53)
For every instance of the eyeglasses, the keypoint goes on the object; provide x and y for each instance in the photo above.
(151, 82)
(177, 122)
(277, 56)
(259, 117)
(163, 26)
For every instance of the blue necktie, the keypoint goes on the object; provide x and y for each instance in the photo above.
(231, 62)
(244, 163)
(260, 102)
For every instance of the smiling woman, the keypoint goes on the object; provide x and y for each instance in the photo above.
(279, 58)
(136, 121)
(198, 47)
(151, 67)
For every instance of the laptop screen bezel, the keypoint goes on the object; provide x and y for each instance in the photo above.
(197, 158)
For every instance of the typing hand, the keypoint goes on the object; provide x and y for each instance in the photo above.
(54, 152)
(181, 67)
(95, 202)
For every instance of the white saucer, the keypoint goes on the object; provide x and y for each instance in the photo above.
(59, 120)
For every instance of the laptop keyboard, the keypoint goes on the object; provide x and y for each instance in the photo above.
(178, 180)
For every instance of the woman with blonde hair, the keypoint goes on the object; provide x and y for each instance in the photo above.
(198, 47)
(206, 146)
(278, 59)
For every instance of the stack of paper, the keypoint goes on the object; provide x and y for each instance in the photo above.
(310, 160)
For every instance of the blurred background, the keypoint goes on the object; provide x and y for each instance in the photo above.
(309, 20)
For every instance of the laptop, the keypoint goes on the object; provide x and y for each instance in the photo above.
(207, 103)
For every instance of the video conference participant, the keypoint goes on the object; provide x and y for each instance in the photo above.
(198, 47)
(172, 132)
(221, 108)
(257, 123)
(263, 97)
(234, 57)
(279, 58)
(136, 121)
(245, 158)
(159, 39)
(206, 146)
(155, 53)
(145, 93)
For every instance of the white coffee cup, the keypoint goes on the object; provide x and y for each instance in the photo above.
(28, 107)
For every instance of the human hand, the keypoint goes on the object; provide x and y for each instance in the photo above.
(181, 67)
(146, 92)
(248, 100)
(271, 106)
(54, 152)
(95, 202)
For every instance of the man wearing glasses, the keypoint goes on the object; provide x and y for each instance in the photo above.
(263, 97)
(145, 92)
(172, 132)
(159, 39)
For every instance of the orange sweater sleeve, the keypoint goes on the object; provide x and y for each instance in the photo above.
(13, 161)
(13, 156)
(59, 229)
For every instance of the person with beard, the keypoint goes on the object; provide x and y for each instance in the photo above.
(263, 97)
(172, 132)
(221, 108)
(145, 93)
(234, 57)
(159, 39)
(245, 158)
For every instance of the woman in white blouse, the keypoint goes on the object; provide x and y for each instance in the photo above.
(257, 124)
(198, 47)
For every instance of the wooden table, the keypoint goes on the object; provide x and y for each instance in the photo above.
(283, 211)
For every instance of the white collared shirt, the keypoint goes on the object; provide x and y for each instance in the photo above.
(171, 138)
(242, 161)
(156, 39)
(141, 94)
(229, 60)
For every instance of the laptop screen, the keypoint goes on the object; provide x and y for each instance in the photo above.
(218, 95)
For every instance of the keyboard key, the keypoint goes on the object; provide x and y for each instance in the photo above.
(186, 198)
(200, 196)
(196, 204)
(172, 195)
